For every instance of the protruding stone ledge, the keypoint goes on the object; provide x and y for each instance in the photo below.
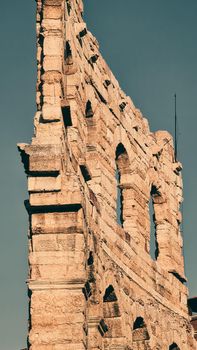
(52, 208)
(37, 184)
(40, 159)
(65, 284)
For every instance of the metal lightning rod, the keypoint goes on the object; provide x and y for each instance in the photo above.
(175, 127)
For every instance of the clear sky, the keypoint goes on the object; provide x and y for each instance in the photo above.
(151, 47)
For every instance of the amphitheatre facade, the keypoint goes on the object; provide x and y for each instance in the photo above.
(93, 168)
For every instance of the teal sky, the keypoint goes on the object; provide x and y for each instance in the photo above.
(151, 48)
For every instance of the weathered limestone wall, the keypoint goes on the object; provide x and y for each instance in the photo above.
(92, 282)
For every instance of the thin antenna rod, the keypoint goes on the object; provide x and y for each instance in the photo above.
(175, 128)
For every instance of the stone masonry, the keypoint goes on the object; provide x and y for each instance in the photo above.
(93, 167)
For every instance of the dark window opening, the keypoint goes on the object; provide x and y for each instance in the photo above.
(87, 290)
(174, 347)
(136, 128)
(94, 58)
(66, 116)
(139, 323)
(120, 150)
(68, 6)
(119, 205)
(68, 54)
(122, 167)
(122, 106)
(154, 248)
(102, 327)
(85, 172)
(107, 82)
(89, 112)
(155, 192)
(90, 259)
(140, 332)
(83, 33)
(178, 276)
(110, 295)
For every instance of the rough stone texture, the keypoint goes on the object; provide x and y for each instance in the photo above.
(92, 282)
(194, 324)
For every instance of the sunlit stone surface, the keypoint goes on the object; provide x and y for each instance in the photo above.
(93, 283)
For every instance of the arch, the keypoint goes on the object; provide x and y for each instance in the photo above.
(110, 303)
(125, 178)
(139, 323)
(140, 331)
(174, 346)
(111, 325)
(108, 280)
(68, 54)
(122, 159)
(89, 111)
(154, 246)
(122, 168)
(120, 137)
(110, 295)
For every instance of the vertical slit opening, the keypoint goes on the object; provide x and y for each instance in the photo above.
(119, 201)
(154, 247)
(68, 54)
(66, 113)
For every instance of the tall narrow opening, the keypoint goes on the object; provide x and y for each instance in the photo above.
(66, 113)
(154, 248)
(89, 112)
(68, 54)
(119, 200)
(68, 6)
(122, 168)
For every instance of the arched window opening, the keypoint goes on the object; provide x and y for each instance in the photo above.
(112, 322)
(89, 112)
(154, 248)
(122, 168)
(68, 6)
(119, 201)
(110, 303)
(140, 332)
(91, 259)
(174, 346)
(110, 295)
(139, 323)
(68, 54)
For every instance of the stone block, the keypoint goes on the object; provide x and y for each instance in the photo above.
(52, 12)
(53, 46)
(52, 63)
(44, 184)
(51, 113)
(54, 222)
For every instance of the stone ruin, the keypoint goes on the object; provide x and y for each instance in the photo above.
(93, 168)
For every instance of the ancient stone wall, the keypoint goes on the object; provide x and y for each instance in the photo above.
(92, 281)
